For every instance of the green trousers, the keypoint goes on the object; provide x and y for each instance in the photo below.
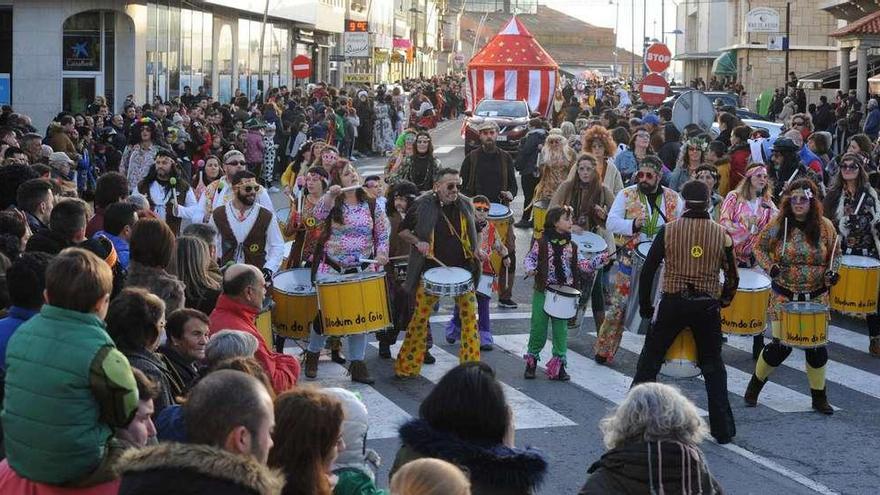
(538, 334)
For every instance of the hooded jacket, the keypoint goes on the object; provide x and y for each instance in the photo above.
(668, 467)
(494, 469)
(188, 469)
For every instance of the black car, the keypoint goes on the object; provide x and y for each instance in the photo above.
(512, 117)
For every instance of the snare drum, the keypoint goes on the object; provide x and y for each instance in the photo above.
(539, 214)
(589, 244)
(561, 301)
(353, 304)
(447, 281)
(856, 291)
(802, 324)
(485, 284)
(747, 313)
(681, 357)
(296, 302)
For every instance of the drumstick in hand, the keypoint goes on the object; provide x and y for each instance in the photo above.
(437, 261)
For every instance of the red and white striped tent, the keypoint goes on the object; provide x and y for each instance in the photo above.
(513, 66)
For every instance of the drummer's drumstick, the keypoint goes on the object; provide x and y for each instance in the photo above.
(833, 250)
(350, 188)
(437, 261)
(859, 206)
(784, 238)
(402, 257)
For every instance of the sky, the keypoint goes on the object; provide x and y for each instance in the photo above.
(603, 13)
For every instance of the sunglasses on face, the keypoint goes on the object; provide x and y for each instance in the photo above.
(482, 209)
(849, 166)
(451, 187)
(799, 200)
(249, 188)
(645, 175)
(424, 141)
(235, 162)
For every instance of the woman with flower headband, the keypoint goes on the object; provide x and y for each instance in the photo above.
(302, 225)
(140, 153)
(854, 208)
(795, 250)
(691, 156)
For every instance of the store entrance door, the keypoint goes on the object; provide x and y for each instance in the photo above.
(79, 91)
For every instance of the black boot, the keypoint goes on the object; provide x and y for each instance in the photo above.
(311, 364)
(820, 402)
(753, 390)
(531, 366)
(563, 376)
(336, 356)
(384, 350)
(429, 359)
(757, 346)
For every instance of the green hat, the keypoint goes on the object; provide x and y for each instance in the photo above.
(254, 123)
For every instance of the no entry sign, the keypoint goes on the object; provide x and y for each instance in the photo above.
(653, 89)
(301, 67)
(658, 57)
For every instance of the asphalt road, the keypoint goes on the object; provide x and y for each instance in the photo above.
(781, 447)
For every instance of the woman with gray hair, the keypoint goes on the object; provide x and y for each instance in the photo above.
(227, 344)
(652, 439)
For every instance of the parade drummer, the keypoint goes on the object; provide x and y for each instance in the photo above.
(489, 171)
(636, 215)
(590, 201)
(694, 250)
(795, 249)
(354, 229)
(221, 191)
(302, 224)
(852, 205)
(439, 226)
(553, 260)
(490, 242)
(744, 213)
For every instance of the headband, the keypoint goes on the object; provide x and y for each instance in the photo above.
(755, 171)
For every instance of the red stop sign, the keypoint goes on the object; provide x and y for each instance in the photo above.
(658, 57)
(653, 89)
(301, 67)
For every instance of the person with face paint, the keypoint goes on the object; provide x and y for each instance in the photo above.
(694, 249)
(636, 216)
(246, 231)
(440, 226)
(854, 208)
(169, 195)
(795, 250)
(220, 192)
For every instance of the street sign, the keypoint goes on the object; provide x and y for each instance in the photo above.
(693, 107)
(658, 57)
(301, 67)
(653, 89)
(762, 20)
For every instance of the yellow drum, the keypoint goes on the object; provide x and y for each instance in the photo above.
(539, 214)
(500, 216)
(856, 291)
(353, 304)
(296, 303)
(747, 313)
(264, 326)
(802, 324)
(681, 357)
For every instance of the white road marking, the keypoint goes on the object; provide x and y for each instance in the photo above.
(778, 468)
(443, 318)
(601, 380)
(385, 416)
(442, 150)
(528, 413)
(848, 376)
(774, 396)
(848, 338)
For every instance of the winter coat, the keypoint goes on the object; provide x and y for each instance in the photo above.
(253, 152)
(527, 158)
(189, 469)
(157, 370)
(740, 156)
(356, 465)
(159, 282)
(494, 469)
(632, 470)
(48, 242)
(60, 141)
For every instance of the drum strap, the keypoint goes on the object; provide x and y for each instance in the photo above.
(797, 296)
(465, 245)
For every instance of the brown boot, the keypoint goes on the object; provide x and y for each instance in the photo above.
(820, 402)
(752, 391)
(311, 364)
(359, 373)
(874, 347)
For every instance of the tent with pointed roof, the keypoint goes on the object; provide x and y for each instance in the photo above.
(513, 66)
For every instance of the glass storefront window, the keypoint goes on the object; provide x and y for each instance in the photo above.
(207, 43)
(243, 50)
(82, 42)
(174, 53)
(224, 69)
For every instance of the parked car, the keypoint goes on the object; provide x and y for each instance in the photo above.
(727, 99)
(773, 128)
(512, 117)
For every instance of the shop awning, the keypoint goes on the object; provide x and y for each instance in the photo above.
(830, 78)
(725, 64)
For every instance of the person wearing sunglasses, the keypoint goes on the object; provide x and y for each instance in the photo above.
(220, 192)
(441, 228)
(694, 249)
(489, 171)
(854, 208)
(636, 215)
(796, 250)
(170, 196)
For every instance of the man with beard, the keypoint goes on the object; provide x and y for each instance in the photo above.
(636, 216)
(170, 196)
(220, 192)
(489, 171)
(246, 231)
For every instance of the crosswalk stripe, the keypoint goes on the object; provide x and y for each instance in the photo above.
(520, 315)
(385, 416)
(774, 396)
(442, 150)
(848, 338)
(601, 380)
(836, 372)
(528, 413)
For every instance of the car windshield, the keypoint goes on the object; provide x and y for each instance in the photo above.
(500, 108)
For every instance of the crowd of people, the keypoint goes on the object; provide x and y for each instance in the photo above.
(140, 252)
